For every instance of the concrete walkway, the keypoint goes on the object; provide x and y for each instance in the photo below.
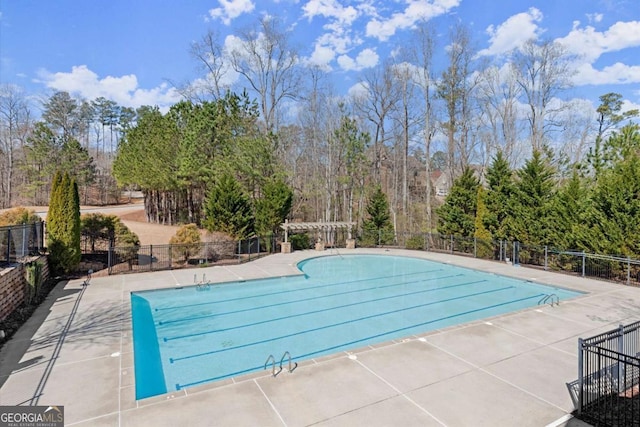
(509, 370)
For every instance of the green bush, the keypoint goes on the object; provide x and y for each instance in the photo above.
(34, 280)
(415, 242)
(187, 242)
(300, 242)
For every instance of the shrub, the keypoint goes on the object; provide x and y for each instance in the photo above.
(415, 242)
(126, 241)
(299, 241)
(34, 280)
(99, 228)
(19, 215)
(187, 242)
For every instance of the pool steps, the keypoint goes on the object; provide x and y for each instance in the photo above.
(550, 298)
(273, 363)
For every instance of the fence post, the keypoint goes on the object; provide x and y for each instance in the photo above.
(545, 258)
(621, 351)
(628, 270)
(580, 374)
(239, 251)
(584, 257)
(8, 245)
(475, 247)
(151, 256)
(109, 260)
(452, 244)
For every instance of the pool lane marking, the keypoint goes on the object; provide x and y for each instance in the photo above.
(244, 310)
(165, 339)
(350, 343)
(358, 319)
(301, 289)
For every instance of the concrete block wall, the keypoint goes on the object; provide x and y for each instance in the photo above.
(13, 285)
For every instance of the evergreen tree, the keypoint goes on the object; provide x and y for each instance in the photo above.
(458, 213)
(273, 207)
(377, 227)
(571, 209)
(499, 192)
(530, 221)
(615, 222)
(482, 235)
(63, 227)
(228, 209)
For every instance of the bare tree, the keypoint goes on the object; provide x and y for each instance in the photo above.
(424, 58)
(498, 93)
(317, 122)
(376, 104)
(269, 64)
(542, 72)
(455, 88)
(209, 54)
(15, 123)
(405, 82)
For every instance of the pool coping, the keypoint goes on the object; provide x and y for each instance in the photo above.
(113, 401)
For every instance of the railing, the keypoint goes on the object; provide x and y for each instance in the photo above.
(614, 268)
(20, 241)
(609, 377)
(129, 259)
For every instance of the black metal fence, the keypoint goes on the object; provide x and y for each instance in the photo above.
(129, 259)
(19, 241)
(614, 268)
(609, 377)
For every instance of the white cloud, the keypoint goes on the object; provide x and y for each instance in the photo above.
(339, 37)
(594, 17)
(358, 90)
(513, 32)
(322, 56)
(330, 9)
(231, 9)
(124, 90)
(617, 73)
(590, 44)
(367, 58)
(415, 11)
(628, 105)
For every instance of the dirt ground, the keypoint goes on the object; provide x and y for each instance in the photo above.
(132, 215)
(149, 234)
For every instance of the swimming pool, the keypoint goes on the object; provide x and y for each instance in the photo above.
(187, 336)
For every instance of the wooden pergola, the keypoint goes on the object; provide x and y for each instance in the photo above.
(316, 226)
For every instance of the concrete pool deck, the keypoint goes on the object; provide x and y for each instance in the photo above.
(508, 370)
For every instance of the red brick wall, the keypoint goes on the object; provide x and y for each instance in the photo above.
(13, 285)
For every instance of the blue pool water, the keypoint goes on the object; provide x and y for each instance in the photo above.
(192, 335)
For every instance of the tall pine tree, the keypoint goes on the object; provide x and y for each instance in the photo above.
(530, 219)
(499, 192)
(377, 228)
(458, 213)
(228, 209)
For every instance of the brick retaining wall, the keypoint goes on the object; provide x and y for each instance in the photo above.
(13, 285)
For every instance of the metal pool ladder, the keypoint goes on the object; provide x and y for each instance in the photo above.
(273, 363)
(551, 298)
(290, 369)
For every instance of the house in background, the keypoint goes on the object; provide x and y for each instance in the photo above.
(440, 183)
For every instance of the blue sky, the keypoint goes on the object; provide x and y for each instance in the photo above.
(132, 51)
